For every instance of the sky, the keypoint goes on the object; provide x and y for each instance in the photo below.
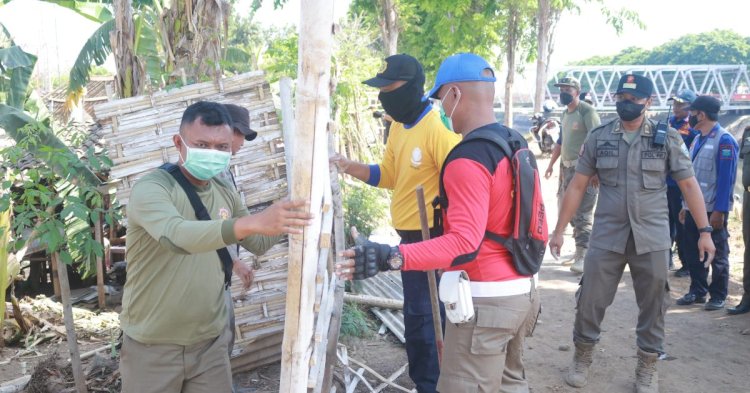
(58, 33)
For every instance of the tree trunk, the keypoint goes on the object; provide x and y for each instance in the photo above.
(129, 77)
(389, 26)
(510, 54)
(547, 19)
(542, 59)
(195, 29)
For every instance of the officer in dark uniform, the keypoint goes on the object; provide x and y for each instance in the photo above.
(744, 305)
(632, 157)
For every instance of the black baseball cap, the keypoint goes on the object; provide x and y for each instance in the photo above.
(241, 121)
(706, 104)
(397, 68)
(637, 85)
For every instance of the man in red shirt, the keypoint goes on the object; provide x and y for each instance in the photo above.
(477, 179)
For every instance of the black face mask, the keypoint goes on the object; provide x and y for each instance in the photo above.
(693, 121)
(566, 98)
(629, 110)
(405, 103)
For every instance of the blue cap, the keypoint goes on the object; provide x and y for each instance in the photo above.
(461, 67)
(686, 95)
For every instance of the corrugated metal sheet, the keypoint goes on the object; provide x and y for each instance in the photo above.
(387, 285)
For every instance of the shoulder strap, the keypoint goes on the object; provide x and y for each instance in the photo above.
(200, 213)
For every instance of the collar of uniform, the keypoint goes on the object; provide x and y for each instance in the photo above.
(644, 130)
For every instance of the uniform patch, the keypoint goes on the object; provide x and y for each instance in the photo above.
(654, 154)
(224, 213)
(416, 157)
(726, 152)
(607, 149)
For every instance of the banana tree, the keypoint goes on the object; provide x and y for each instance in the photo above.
(158, 42)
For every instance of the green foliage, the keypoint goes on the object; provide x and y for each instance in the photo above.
(95, 51)
(281, 55)
(46, 197)
(355, 322)
(713, 47)
(16, 67)
(365, 207)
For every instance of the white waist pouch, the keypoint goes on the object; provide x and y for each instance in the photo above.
(455, 293)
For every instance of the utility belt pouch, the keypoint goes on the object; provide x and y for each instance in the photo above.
(455, 293)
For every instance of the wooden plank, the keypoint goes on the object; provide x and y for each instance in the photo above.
(310, 158)
(339, 235)
(374, 301)
(55, 275)
(99, 265)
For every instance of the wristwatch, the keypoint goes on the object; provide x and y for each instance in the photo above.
(707, 229)
(395, 259)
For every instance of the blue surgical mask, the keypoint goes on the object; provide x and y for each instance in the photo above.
(204, 164)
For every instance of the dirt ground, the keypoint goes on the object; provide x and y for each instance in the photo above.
(706, 350)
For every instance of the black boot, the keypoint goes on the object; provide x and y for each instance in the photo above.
(741, 308)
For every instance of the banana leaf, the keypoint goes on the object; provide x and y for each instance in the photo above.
(16, 67)
(96, 50)
(97, 12)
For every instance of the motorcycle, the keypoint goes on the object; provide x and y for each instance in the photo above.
(546, 131)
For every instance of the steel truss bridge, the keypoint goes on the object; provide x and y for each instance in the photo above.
(729, 83)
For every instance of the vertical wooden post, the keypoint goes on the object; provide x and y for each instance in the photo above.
(75, 355)
(339, 238)
(288, 123)
(55, 275)
(99, 266)
(310, 158)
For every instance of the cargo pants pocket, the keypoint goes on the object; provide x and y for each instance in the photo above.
(493, 330)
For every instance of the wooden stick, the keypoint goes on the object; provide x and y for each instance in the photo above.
(55, 275)
(392, 378)
(99, 267)
(374, 301)
(431, 280)
(339, 238)
(75, 356)
(288, 124)
(378, 376)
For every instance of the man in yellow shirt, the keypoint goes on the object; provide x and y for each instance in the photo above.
(414, 153)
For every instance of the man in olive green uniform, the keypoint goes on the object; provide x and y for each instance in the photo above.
(631, 226)
(577, 122)
(744, 305)
(174, 315)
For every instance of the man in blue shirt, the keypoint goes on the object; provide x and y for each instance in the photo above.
(714, 155)
(679, 121)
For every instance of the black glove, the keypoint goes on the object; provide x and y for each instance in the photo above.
(370, 258)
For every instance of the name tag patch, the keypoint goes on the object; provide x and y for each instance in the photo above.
(654, 154)
(607, 149)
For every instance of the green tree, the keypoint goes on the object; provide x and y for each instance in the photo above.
(713, 47)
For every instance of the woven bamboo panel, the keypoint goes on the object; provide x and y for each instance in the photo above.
(138, 132)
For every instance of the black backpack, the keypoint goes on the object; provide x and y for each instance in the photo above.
(528, 242)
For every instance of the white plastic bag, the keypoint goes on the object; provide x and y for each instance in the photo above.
(455, 293)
